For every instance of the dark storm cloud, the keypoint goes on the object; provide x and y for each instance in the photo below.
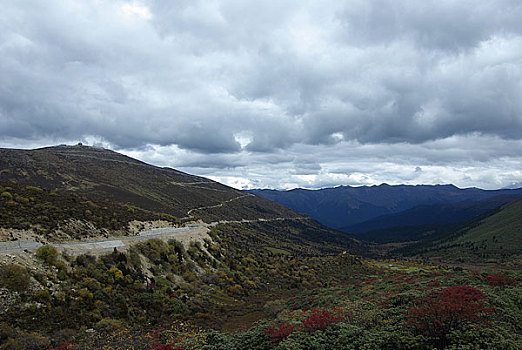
(213, 81)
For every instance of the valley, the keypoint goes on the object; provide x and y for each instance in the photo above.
(101, 251)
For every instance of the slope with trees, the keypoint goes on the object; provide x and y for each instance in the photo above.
(344, 206)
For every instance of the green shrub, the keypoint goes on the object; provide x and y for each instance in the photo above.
(43, 296)
(6, 195)
(14, 277)
(33, 189)
(47, 254)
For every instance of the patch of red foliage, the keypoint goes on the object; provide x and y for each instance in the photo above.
(434, 284)
(160, 346)
(447, 310)
(500, 279)
(63, 346)
(320, 319)
(279, 331)
(156, 332)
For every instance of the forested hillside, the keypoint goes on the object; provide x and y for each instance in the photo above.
(495, 237)
(354, 209)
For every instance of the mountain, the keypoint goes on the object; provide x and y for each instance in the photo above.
(495, 236)
(100, 192)
(107, 175)
(378, 229)
(345, 206)
(514, 185)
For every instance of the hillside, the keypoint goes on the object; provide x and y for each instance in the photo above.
(105, 175)
(496, 236)
(55, 216)
(345, 206)
(384, 229)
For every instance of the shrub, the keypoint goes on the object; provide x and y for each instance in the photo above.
(14, 277)
(154, 249)
(6, 195)
(320, 319)
(43, 296)
(500, 279)
(447, 310)
(63, 346)
(160, 346)
(279, 331)
(47, 254)
(34, 189)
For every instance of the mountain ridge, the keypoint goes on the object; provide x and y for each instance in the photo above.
(426, 215)
(345, 206)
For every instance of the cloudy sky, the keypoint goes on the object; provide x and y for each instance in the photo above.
(271, 93)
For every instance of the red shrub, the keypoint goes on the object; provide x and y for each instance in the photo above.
(410, 280)
(500, 280)
(434, 284)
(321, 319)
(447, 310)
(63, 346)
(156, 332)
(160, 346)
(279, 331)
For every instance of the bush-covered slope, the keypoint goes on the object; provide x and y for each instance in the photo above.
(47, 212)
(413, 224)
(497, 236)
(227, 281)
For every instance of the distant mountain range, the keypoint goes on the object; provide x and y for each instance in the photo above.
(427, 215)
(368, 208)
(514, 185)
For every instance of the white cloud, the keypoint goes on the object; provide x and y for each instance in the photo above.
(273, 93)
(135, 10)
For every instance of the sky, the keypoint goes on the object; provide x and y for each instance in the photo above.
(273, 94)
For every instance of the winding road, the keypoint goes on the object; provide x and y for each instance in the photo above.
(192, 232)
(189, 213)
(109, 243)
(185, 234)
